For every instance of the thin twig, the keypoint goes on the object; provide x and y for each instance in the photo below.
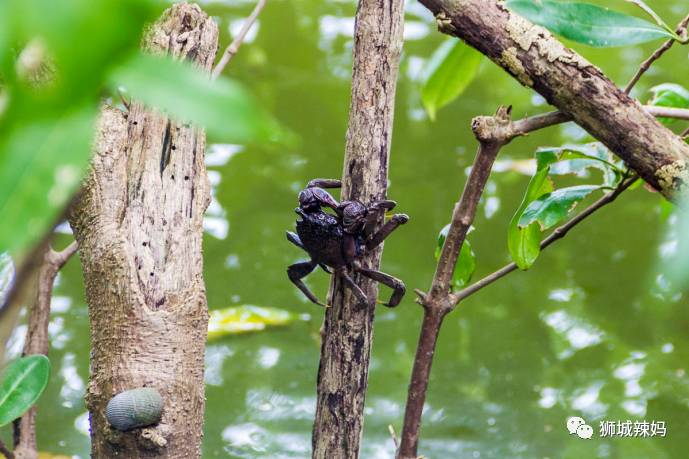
(544, 120)
(557, 234)
(492, 133)
(681, 31)
(391, 429)
(6, 452)
(685, 134)
(668, 112)
(37, 341)
(232, 49)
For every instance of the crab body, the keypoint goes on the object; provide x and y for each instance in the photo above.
(338, 241)
(322, 237)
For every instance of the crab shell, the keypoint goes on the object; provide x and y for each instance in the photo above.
(134, 408)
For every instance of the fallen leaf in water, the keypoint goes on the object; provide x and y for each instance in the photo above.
(244, 319)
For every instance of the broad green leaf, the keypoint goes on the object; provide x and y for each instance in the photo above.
(669, 95)
(524, 244)
(5, 32)
(466, 262)
(576, 159)
(450, 70)
(466, 265)
(552, 208)
(41, 165)
(23, 381)
(113, 29)
(244, 319)
(656, 17)
(223, 107)
(588, 24)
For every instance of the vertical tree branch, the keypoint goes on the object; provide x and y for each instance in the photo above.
(348, 326)
(37, 341)
(139, 224)
(492, 133)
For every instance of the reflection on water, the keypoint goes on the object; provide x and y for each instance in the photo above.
(591, 330)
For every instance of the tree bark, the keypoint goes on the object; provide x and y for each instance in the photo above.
(572, 84)
(347, 329)
(138, 223)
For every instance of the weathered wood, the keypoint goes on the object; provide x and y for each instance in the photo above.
(138, 223)
(347, 330)
(572, 84)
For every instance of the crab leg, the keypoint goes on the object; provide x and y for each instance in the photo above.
(360, 295)
(392, 224)
(294, 239)
(299, 270)
(395, 284)
(324, 183)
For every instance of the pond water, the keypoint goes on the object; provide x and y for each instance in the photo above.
(586, 332)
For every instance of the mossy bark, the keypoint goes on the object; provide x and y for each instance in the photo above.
(348, 326)
(138, 222)
(573, 85)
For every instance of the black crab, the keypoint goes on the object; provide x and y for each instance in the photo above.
(339, 241)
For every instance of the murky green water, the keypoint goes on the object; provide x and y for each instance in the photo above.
(585, 332)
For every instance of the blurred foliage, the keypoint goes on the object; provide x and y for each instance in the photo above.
(58, 59)
(451, 68)
(23, 381)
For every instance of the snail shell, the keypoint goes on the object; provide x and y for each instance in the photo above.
(134, 408)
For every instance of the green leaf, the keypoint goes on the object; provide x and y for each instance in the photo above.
(588, 24)
(669, 95)
(223, 107)
(552, 208)
(450, 70)
(656, 17)
(576, 159)
(113, 29)
(41, 165)
(244, 319)
(466, 262)
(524, 244)
(23, 381)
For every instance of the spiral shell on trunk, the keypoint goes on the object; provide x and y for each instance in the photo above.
(134, 408)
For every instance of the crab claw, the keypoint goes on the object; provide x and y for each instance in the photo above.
(313, 198)
(385, 204)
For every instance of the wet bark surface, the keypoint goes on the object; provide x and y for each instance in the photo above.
(348, 326)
